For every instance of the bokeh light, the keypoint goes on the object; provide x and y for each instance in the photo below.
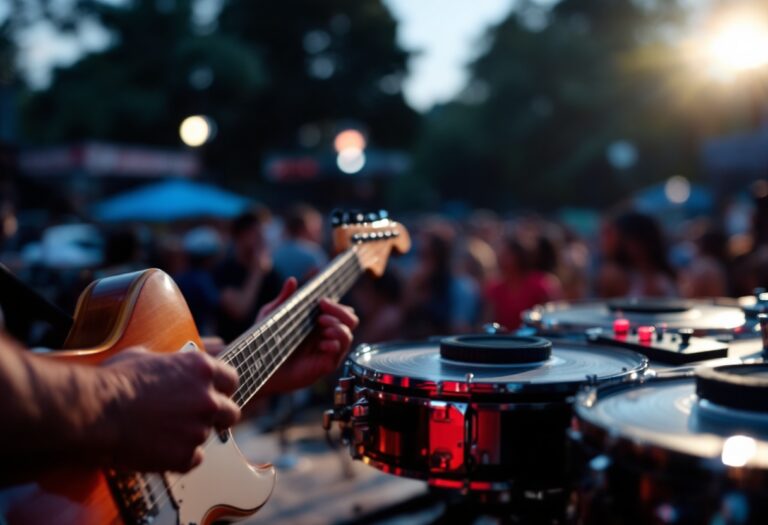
(195, 130)
(350, 160)
(677, 189)
(738, 451)
(349, 139)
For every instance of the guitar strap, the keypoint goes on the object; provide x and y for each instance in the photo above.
(22, 307)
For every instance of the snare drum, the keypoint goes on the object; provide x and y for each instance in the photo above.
(685, 449)
(474, 413)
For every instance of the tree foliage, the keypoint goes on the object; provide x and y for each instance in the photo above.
(255, 70)
(557, 88)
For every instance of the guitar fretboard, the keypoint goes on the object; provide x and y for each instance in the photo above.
(260, 351)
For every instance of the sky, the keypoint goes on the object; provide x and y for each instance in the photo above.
(447, 34)
(443, 34)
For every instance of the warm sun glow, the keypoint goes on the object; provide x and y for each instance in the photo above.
(739, 45)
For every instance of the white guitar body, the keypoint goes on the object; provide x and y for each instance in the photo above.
(224, 485)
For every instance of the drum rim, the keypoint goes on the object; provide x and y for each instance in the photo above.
(633, 449)
(533, 317)
(382, 381)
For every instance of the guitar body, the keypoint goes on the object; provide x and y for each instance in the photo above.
(138, 309)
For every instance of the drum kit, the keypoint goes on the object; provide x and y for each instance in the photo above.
(642, 411)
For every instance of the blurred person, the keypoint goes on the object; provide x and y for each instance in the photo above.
(300, 254)
(750, 265)
(169, 254)
(707, 275)
(478, 261)
(520, 285)
(436, 300)
(574, 267)
(378, 303)
(637, 264)
(203, 247)
(123, 253)
(246, 278)
(486, 225)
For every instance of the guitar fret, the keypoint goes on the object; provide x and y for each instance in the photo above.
(257, 355)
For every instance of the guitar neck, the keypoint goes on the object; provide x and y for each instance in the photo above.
(258, 353)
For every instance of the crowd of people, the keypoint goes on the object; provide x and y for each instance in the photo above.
(459, 275)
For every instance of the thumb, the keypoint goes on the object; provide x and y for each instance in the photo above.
(289, 286)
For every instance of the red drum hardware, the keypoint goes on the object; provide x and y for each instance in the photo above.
(484, 415)
(684, 449)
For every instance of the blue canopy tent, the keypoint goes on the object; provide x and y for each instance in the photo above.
(169, 201)
(654, 200)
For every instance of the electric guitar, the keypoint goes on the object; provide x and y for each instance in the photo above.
(146, 308)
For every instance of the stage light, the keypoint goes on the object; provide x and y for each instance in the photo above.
(196, 130)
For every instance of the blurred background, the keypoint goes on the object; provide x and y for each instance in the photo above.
(536, 149)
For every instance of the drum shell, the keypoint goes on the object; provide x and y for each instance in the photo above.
(497, 429)
(623, 480)
(466, 444)
(610, 490)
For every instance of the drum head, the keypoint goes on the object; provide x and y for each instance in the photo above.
(704, 317)
(664, 419)
(420, 365)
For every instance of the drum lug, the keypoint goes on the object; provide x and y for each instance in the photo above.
(358, 430)
(343, 412)
(342, 394)
(446, 436)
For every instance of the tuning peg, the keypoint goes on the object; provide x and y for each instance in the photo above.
(337, 217)
(383, 214)
(356, 216)
(372, 217)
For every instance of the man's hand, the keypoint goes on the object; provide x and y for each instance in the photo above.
(163, 407)
(323, 350)
(140, 411)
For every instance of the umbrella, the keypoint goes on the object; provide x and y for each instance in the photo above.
(169, 201)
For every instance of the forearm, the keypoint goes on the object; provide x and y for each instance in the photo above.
(49, 408)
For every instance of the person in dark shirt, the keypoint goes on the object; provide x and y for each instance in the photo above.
(246, 278)
(202, 247)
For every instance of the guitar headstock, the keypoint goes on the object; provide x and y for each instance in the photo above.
(374, 235)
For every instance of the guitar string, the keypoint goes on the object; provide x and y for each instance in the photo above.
(252, 356)
(242, 342)
(257, 367)
(333, 286)
(255, 373)
(342, 276)
(345, 276)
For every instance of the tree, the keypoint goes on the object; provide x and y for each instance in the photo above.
(557, 88)
(140, 88)
(262, 71)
